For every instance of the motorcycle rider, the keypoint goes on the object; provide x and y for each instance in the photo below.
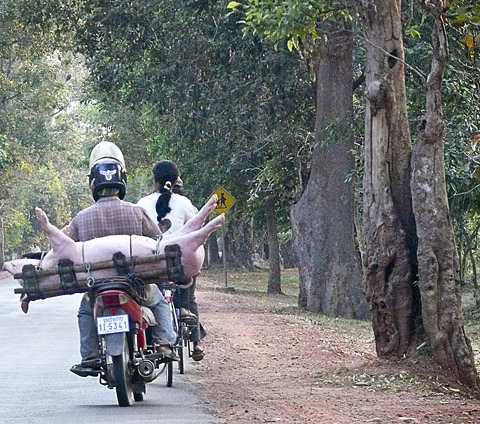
(111, 215)
(169, 206)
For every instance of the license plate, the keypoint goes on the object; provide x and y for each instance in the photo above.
(113, 324)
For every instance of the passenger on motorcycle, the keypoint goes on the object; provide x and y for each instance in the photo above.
(111, 215)
(169, 206)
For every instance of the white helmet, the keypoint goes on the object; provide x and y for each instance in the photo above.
(107, 169)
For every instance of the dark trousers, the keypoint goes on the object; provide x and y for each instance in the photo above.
(185, 298)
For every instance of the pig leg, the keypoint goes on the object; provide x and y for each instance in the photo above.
(15, 267)
(63, 247)
(191, 245)
(58, 240)
(197, 221)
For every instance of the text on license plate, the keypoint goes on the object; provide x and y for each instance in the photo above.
(112, 324)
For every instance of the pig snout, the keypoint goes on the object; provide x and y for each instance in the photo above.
(15, 267)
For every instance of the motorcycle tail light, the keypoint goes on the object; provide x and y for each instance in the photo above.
(168, 296)
(112, 299)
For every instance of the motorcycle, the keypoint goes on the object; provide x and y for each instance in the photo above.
(126, 358)
(124, 343)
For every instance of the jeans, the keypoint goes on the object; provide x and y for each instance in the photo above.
(163, 332)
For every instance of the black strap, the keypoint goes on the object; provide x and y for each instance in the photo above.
(68, 278)
(120, 262)
(31, 283)
(173, 256)
(124, 270)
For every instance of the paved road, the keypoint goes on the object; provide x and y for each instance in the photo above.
(36, 386)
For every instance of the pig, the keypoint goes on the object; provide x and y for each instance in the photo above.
(190, 239)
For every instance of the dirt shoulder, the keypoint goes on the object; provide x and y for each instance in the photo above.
(268, 362)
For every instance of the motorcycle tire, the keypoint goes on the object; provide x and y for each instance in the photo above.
(123, 376)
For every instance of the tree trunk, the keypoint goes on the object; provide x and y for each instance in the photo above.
(287, 254)
(274, 285)
(474, 279)
(322, 221)
(389, 259)
(213, 254)
(239, 244)
(438, 269)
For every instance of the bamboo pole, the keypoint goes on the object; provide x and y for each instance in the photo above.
(98, 265)
(148, 277)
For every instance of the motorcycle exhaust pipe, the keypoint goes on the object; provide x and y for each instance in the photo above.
(146, 369)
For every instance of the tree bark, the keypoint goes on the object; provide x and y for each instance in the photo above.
(239, 244)
(322, 221)
(437, 254)
(274, 285)
(389, 259)
(287, 254)
(213, 253)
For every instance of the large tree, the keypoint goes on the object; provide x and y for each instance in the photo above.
(323, 218)
(412, 300)
(438, 266)
(389, 228)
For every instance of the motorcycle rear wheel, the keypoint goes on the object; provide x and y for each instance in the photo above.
(123, 376)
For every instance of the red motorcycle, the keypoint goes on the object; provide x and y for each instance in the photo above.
(123, 346)
(126, 356)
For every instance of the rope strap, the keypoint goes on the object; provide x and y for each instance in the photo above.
(124, 270)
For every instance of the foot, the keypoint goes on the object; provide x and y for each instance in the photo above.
(198, 353)
(88, 367)
(164, 352)
(24, 302)
(186, 315)
(85, 371)
(94, 363)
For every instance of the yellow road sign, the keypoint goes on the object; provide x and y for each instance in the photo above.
(225, 200)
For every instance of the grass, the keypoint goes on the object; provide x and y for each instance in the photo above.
(253, 285)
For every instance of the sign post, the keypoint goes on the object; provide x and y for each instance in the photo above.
(224, 203)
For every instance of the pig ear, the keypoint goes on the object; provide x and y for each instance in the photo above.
(24, 303)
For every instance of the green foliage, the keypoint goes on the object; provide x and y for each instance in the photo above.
(4, 152)
(288, 20)
(16, 224)
(194, 90)
(22, 231)
(41, 131)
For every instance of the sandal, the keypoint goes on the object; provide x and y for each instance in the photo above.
(187, 316)
(198, 354)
